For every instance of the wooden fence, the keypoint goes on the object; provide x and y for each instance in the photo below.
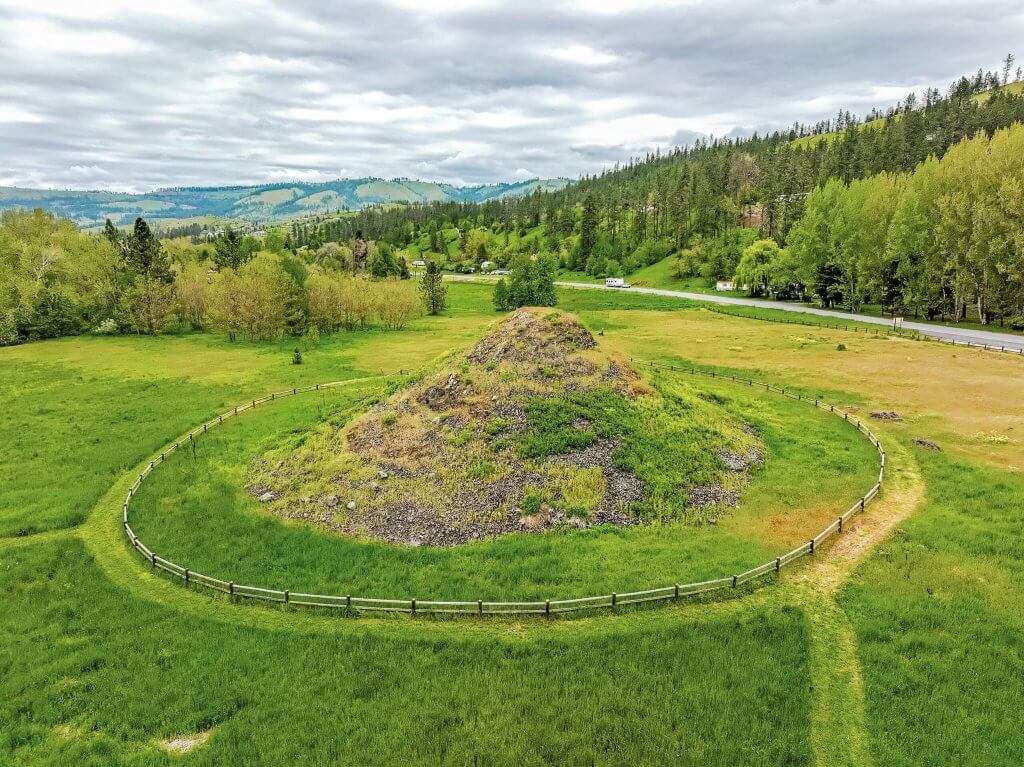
(671, 592)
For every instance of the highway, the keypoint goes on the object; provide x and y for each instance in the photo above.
(966, 336)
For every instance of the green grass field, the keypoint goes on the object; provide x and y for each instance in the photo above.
(899, 644)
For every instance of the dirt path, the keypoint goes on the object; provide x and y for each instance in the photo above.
(903, 492)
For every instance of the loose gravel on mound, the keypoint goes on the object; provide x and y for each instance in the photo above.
(440, 462)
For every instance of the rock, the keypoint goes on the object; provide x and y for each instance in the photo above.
(735, 462)
(711, 495)
(382, 474)
(927, 444)
(577, 522)
(332, 501)
(351, 505)
(306, 499)
(279, 464)
(532, 522)
(268, 496)
(886, 415)
(375, 487)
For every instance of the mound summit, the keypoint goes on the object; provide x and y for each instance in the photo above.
(534, 428)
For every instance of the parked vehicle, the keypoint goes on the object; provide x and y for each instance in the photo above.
(616, 282)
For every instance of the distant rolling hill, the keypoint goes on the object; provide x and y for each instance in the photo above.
(254, 203)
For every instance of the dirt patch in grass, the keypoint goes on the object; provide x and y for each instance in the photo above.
(182, 744)
(534, 428)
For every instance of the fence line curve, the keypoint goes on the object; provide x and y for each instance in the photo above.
(349, 602)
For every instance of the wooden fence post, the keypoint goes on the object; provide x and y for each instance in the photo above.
(614, 596)
(812, 545)
(778, 564)
(547, 607)
(287, 596)
(677, 592)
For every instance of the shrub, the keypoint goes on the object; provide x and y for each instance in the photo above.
(532, 501)
(106, 328)
(496, 426)
(297, 356)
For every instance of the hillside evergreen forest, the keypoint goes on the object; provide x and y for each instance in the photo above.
(918, 210)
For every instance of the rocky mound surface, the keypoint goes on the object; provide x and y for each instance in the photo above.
(525, 432)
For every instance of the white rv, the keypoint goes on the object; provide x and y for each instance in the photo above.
(616, 282)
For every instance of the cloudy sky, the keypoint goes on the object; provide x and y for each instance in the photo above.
(136, 95)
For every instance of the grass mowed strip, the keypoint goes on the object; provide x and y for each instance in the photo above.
(87, 681)
(937, 610)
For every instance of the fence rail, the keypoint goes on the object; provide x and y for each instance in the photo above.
(672, 592)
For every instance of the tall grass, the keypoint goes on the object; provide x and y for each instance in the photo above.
(939, 620)
(88, 682)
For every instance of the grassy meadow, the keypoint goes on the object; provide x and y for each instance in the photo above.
(898, 645)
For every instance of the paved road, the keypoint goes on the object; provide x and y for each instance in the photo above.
(990, 339)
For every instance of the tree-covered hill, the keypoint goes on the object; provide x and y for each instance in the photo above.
(706, 205)
(254, 203)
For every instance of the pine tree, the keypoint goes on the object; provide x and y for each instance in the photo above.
(112, 234)
(230, 253)
(500, 297)
(144, 256)
(588, 227)
(433, 289)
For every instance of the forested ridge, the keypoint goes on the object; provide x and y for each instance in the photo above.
(919, 210)
(825, 197)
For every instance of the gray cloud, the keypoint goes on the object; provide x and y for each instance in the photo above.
(135, 95)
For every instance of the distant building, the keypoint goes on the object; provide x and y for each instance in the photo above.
(486, 266)
(419, 263)
(725, 285)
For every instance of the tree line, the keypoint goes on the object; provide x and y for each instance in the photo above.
(708, 203)
(947, 236)
(57, 280)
